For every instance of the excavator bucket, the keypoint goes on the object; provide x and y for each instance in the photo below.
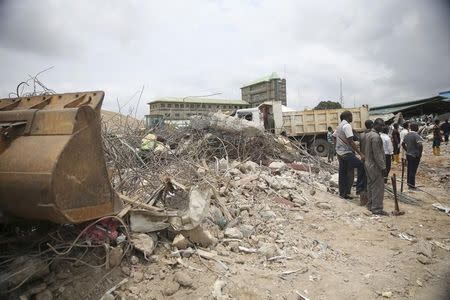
(52, 165)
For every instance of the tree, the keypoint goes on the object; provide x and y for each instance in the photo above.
(328, 105)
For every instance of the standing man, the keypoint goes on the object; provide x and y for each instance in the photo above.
(396, 143)
(375, 166)
(437, 138)
(345, 150)
(330, 144)
(363, 198)
(403, 133)
(388, 151)
(412, 145)
(445, 127)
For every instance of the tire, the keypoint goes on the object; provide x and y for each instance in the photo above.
(320, 147)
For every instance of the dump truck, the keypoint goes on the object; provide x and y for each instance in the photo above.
(52, 165)
(307, 126)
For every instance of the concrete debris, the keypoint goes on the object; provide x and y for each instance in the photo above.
(181, 242)
(423, 247)
(268, 250)
(171, 288)
(323, 205)
(217, 292)
(115, 256)
(145, 243)
(247, 230)
(277, 166)
(183, 279)
(424, 259)
(233, 233)
(386, 294)
(200, 236)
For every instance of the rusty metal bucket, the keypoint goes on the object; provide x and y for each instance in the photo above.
(52, 165)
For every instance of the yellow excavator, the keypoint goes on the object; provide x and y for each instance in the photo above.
(52, 165)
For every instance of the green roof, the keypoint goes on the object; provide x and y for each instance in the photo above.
(264, 79)
(199, 100)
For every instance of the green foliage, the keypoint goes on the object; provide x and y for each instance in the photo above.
(328, 105)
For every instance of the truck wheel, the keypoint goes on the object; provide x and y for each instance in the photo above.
(320, 147)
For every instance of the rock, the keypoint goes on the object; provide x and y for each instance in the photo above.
(45, 295)
(423, 259)
(323, 205)
(247, 230)
(423, 247)
(312, 192)
(181, 242)
(171, 288)
(138, 276)
(217, 216)
(249, 167)
(277, 166)
(115, 256)
(145, 243)
(134, 260)
(298, 217)
(183, 279)
(272, 182)
(233, 233)
(267, 249)
(386, 294)
(200, 236)
(419, 283)
(126, 270)
(267, 214)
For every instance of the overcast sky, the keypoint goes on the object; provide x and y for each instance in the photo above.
(385, 51)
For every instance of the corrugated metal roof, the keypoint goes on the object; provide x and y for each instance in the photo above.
(274, 75)
(199, 100)
(402, 106)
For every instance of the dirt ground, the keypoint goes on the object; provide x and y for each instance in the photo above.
(337, 252)
(327, 248)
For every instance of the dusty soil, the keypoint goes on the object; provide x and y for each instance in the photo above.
(333, 251)
(339, 253)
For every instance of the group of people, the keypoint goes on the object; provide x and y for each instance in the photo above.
(376, 152)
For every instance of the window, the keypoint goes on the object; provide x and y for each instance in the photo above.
(203, 105)
(175, 105)
(209, 106)
(177, 115)
(162, 105)
(169, 105)
(192, 106)
(167, 115)
(181, 105)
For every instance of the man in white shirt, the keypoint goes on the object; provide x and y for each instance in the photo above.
(345, 150)
(388, 148)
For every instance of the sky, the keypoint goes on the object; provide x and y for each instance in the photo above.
(384, 51)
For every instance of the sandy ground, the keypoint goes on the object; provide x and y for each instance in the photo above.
(340, 251)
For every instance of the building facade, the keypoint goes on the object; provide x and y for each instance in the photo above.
(269, 88)
(180, 109)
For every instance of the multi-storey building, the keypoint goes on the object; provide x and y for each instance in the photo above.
(180, 109)
(268, 88)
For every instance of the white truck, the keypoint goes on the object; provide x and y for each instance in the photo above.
(307, 126)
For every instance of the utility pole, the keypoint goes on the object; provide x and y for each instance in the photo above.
(341, 96)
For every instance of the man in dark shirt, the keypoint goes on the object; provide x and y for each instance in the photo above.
(445, 127)
(412, 144)
(437, 138)
(396, 143)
